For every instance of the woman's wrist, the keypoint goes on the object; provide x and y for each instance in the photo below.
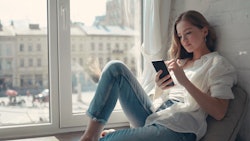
(187, 84)
(158, 92)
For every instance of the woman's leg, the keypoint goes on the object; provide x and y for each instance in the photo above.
(93, 131)
(153, 132)
(118, 82)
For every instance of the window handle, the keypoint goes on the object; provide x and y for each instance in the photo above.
(63, 15)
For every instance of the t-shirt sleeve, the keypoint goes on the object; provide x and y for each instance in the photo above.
(222, 76)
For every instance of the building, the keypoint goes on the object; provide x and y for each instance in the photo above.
(7, 55)
(120, 13)
(24, 57)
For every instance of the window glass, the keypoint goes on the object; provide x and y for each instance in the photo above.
(106, 28)
(24, 94)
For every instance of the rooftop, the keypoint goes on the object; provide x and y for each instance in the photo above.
(76, 29)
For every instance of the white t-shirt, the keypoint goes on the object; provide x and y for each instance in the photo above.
(213, 75)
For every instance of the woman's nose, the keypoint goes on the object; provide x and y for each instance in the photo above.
(184, 38)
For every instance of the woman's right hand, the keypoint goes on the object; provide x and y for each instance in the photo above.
(178, 72)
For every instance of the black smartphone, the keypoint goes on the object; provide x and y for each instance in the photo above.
(160, 65)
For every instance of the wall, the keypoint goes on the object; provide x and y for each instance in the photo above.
(231, 20)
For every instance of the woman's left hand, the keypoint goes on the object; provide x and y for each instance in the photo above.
(173, 65)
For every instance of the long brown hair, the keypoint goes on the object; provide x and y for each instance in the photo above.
(176, 50)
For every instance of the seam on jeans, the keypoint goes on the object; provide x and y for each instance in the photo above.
(122, 74)
(134, 89)
(105, 99)
(90, 115)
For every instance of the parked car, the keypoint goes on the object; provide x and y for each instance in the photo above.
(42, 97)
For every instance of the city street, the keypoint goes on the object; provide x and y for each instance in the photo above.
(31, 113)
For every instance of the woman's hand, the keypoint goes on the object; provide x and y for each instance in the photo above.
(173, 66)
(164, 82)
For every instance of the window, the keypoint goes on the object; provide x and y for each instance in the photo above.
(21, 104)
(100, 46)
(51, 78)
(9, 65)
(81, 61)
(39, 80)
(9, 50)
(38, 47)
(30, 62)
(39, 62)
(97, 25)
(21, 48)
(30, 48)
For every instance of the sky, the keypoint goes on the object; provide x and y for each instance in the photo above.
(35, 11)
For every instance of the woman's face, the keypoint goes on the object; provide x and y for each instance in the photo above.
(191, 37)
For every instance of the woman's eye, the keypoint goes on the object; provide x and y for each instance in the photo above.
(188, 32)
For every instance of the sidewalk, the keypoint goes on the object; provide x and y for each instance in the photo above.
(30, 113)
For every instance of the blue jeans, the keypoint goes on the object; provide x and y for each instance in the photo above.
(117, 82)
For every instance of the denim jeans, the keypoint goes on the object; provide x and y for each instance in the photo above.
(117, 82)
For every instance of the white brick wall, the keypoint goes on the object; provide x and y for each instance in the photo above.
(231, 19)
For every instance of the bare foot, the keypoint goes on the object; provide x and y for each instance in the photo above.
(105, 132)
(88, 138)
(93, 131)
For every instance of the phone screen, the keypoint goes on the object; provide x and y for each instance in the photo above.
(160, 65)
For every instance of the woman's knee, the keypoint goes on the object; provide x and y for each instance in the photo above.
(114, 66)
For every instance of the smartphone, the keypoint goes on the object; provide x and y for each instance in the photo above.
(160, 65)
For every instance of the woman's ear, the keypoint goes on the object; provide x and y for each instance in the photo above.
(205, 31)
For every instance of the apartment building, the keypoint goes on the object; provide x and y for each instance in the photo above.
(24, 64)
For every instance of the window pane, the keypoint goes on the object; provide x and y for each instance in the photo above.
(24, 94)
(101, 30)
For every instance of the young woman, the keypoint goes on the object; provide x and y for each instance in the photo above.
(203, 81)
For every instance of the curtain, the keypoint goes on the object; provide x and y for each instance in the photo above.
(155, 38)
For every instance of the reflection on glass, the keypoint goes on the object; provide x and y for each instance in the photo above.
(101, 30)
(24, 93)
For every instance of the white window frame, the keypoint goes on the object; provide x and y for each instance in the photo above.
(67, 119)
(61, 118)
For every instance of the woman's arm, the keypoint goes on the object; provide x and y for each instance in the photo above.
(213, 106)
(158, 92)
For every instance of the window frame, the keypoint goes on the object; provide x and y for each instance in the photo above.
(67, 119)
(57, 27)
